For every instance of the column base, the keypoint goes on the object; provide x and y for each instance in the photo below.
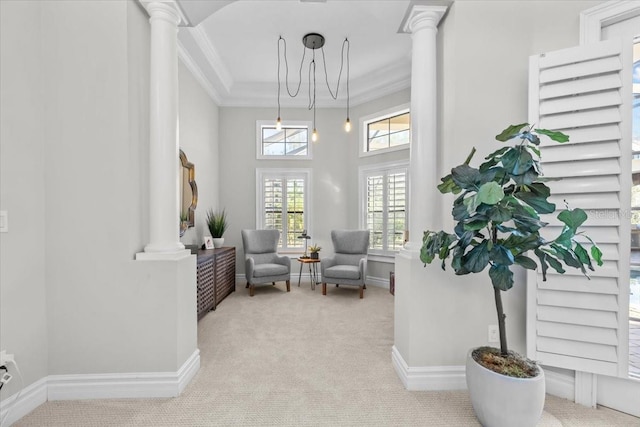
(163, 256)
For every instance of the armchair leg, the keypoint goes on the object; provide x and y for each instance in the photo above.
(324, 288)
(364, 286)
(361, 292)
(251, 288)
(247, 287)
(273, 283)
(288, 286)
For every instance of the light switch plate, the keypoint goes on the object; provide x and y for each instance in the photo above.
(4, 222)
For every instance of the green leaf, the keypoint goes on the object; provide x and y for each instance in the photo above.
(459, 211)
(501, 277)
(496, 154)
(448, 185)
(565, 239)
(540, 189)
(465, 176)
(471, 203)
(573, 218)
(518, 244)
(555, 264)
(554, 135)
(543, 262)
(596, 254)
(528, 224)
(526, 262)
(477, 258)
(510, 132)
(540, 204)
(531, 137)
(476, 222)
(583, 255)
(501, 255)
(535, 150)
(499, 214)
(435, 244)
(567, 256)
(490, 193)
(517, 161)
(526, 178)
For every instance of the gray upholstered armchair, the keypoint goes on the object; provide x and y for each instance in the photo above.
(261, 260)
(349, 264)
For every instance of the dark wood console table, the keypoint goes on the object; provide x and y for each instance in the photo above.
(216, 276)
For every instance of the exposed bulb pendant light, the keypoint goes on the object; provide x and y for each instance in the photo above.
(347, 123)
(313, 41)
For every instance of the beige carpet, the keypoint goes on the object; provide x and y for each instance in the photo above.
(300, 359)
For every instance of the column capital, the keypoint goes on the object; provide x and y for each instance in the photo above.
(422, 16)
(166, 10)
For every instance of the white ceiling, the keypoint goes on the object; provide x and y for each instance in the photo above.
(232, 48)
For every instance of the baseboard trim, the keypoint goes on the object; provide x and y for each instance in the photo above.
(426, 378)
(560, 385)
(132, 385)
(34, 395)
(378, 282)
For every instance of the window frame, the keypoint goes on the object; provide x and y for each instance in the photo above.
(279, 173)
(260, 124)
(382, 255)
(381, 115)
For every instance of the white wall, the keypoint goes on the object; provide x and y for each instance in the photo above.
(23, 320)
(199, 141)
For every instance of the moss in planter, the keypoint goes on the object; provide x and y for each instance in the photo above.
(512, 365)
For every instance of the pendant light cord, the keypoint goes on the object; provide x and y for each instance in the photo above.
(286, 65)
(345, 44)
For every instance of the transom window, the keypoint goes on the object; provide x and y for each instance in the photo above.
(289, 142)
(282, 204)
(386, 131)
(384, 205)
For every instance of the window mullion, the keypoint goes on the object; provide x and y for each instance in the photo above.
(385, 211)
(285, 213)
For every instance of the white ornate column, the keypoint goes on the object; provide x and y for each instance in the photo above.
(416, 354)
(424, 201)
(164, 204)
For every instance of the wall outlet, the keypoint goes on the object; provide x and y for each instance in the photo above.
(494, 333)
(4, 222)
(5, 378)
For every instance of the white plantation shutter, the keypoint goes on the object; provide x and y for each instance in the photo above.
(573, 322)
(282, 204)
(375, 210)
(385, 206)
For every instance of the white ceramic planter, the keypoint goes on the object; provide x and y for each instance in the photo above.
(502, 401)
(218, 242)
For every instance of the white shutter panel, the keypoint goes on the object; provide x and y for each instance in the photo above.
(573, 322)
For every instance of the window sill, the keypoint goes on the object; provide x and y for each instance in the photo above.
(386, 258)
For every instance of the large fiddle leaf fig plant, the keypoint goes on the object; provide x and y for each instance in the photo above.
(498, 218)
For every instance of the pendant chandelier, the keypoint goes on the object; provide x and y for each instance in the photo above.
(312, 41)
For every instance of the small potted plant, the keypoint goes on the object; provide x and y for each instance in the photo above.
(184, 223)
(217, 224)
(497, 214)
(313, 251)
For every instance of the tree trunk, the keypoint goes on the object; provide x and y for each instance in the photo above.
(501, 325)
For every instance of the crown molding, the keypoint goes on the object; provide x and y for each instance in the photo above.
(197, 73)
(211, 54)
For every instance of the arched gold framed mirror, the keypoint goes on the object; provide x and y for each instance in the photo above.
(188, 191)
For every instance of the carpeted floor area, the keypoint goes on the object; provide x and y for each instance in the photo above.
(300, 359)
